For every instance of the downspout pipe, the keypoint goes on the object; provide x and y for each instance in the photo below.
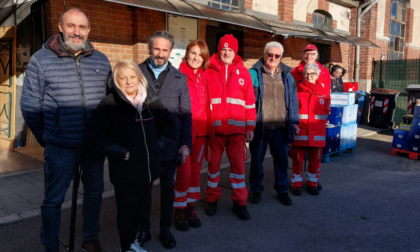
(360, 14)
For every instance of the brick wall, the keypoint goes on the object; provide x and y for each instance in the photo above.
(409, 26)
(411, 52)
(286, 10)
(254, 43)
(323, 5)
(387, 17)
(248, 4)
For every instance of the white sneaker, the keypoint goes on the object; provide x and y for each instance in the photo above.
(136, 247)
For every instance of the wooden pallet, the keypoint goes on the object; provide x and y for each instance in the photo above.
(326, 158)
(410, 154)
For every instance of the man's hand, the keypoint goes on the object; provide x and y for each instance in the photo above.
(249, 136)
(184, 151)
(297, 129)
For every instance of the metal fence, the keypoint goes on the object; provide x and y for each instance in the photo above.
(397, 75)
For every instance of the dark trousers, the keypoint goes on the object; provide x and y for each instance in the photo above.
(133, 212)
(167, 193)
(279, 148)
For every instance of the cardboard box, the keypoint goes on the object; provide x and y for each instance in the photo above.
(342, 99)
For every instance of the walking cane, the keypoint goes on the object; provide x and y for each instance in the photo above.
(76, 183)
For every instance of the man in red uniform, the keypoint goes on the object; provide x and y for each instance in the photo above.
(310, 54)
(232, 104)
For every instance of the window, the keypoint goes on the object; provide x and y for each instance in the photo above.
(397, 30)
(224, 4)
(322, 20)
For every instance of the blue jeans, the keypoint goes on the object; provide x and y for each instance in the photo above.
(60, 166)
(279, 151)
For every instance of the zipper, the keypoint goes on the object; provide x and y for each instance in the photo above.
(147, 149)
(82, 90)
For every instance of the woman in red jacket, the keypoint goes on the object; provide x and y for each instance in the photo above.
(314, 107)
(187, 183)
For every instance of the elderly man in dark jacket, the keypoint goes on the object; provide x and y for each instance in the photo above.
(64, 83)
(277, 120)
(172, 89)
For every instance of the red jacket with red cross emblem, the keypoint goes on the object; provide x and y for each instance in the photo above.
(324, 75)
(314, 107)
(231, 96)
(199, 100)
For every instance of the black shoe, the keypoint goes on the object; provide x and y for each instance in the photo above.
(192, 218)
(312, 190)
(241, 212)
(180, 220)
(167, 239)
(284, 199)
(297, 191)
(143, 237)
(319, 186)
(254, 197)
(211, 208)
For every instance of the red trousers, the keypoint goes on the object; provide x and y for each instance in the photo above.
(236, 153)
(297, 154)
(187, 182)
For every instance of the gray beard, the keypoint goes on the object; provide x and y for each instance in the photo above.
(75, 48)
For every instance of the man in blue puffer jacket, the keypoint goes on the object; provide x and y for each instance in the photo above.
(64, 83)
(277, 120)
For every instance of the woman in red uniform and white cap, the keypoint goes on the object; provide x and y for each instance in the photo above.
(314, 107)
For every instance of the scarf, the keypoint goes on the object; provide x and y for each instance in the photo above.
(139, 99)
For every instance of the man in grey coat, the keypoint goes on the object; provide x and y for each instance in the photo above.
(170, 85)
(64, 83)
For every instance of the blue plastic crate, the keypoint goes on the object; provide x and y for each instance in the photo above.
(335, 120)
(400, 134)
(336, 111)
(360, 104)
(401, 144)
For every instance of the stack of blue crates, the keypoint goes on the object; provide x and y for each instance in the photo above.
(348, 131)
(400, 140)
(414, 134)
(332, 141)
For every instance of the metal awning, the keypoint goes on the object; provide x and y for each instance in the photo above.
(278, 27)
(191, 9)
(286, 30)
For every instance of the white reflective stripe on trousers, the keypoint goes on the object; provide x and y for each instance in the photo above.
(250, 106)
(319, 138)
(301, 138)
(212, 184)
(251, 123)
(311, 177)
(180, 194)
(238, 185)
(216, 100)
(214, 175)
(235, 101)
(296, 178)
(201, 153)
(180, 204)
(321, 117)
(236, 123)
(194, 189)
(237, 176)
(189, 200)
(303, 116)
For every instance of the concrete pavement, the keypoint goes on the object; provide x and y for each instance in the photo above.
(369, 203)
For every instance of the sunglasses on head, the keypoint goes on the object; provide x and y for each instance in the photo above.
(276, 56)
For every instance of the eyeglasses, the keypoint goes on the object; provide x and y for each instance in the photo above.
(271, 55)
(310, 54)
(310, 74)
